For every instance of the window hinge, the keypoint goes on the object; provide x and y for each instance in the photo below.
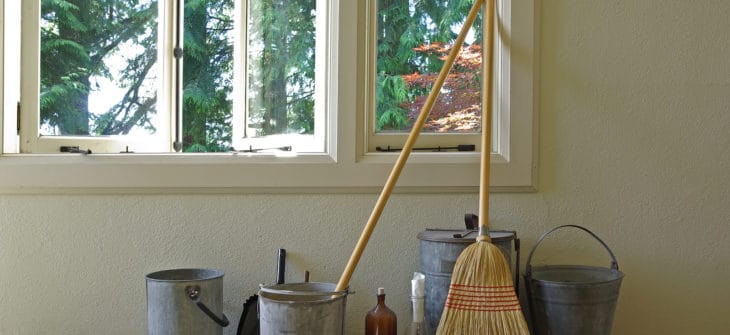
(74, 149)
(17, 115)
(460, 147)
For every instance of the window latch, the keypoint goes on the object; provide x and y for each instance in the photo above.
(460, 147)
(74, 150)
(252, 149)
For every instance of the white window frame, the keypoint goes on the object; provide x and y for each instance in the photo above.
(30, 139)
(315, 142)
(395, 139)
(514, 151)
(345, 167)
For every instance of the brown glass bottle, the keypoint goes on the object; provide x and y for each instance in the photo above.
(381, 320)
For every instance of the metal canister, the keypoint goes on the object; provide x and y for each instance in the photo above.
(439, 250)
(185, 301)
(302, 309)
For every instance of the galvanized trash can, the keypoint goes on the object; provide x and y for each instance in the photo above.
(185, 302)
(302, 309)
(439, 250)
(572, 299)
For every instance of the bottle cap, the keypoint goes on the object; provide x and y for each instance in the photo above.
(381, 290)
(418, 287)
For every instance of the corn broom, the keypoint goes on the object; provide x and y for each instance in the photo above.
(343, 283)
(482, 298)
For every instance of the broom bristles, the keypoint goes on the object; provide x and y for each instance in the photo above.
(482, 297)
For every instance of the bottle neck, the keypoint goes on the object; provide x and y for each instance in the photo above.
(418, 310)
(381, 300)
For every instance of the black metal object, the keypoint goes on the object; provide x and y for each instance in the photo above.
(460, 147)
(194, 295)
(249, 324)
(252, 149)
(74, 149)
(281, 267)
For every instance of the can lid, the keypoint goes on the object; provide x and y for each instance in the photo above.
(447, 235)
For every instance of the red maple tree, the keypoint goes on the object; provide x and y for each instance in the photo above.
(458, 107)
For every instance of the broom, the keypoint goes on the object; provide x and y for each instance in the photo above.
(482, 297)
(405, 152)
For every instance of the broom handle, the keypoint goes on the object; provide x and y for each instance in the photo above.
(405, 152)
(486, 128)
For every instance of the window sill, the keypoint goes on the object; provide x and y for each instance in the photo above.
(227, 173)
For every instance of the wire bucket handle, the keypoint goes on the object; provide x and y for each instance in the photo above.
(528, 267)
(193, 292)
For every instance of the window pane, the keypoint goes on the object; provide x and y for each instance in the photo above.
(414, 37)
(208, 75)
(98, 67)
(281, 67)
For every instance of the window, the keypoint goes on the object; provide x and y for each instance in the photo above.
(411, 40)
(406, 40)
(332, 132)
(108, 75)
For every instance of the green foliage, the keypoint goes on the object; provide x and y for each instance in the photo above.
(76, 38)
(207, 76)
(281, 78)
(403, 27)
(391, 94)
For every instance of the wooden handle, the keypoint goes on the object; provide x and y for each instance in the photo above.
(407, 147)
(485, 161)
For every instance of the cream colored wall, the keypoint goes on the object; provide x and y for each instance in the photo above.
(634, 137)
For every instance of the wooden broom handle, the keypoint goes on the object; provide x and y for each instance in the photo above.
(406, 151)
(486, 127)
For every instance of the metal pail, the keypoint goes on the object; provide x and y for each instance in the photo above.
(439, 250)
(185, 302)
(302, 308)
(572, 299)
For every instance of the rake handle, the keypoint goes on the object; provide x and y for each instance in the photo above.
(406, 151)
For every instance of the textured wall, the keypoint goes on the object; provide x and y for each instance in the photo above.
(634, 124)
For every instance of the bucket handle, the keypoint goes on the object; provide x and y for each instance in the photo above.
(194, 295)
(528, 267)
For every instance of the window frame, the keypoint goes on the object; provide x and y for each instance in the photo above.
(514, 153)
(315, 142)
(395, 139)
(345, 167)
(32, 142)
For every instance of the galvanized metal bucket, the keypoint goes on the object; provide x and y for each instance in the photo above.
(572, 299)
(439, 250)
(185, 302)
(302, 309)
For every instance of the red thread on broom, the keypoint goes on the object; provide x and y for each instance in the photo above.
(503, 288)
(482, 298)
(482, 309)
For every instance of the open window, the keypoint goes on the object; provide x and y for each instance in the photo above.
(333, 136)
(165, 76)
(407, 41)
